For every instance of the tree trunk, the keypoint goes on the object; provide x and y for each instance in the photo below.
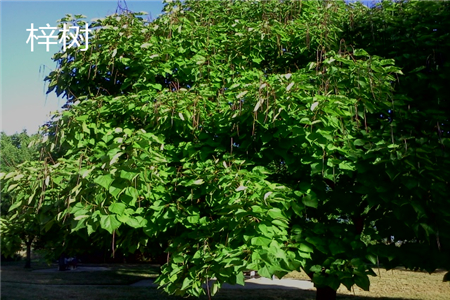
(325, 293)
(28, 258)
(62, 263)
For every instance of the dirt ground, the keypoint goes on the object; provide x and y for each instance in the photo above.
(114, 282)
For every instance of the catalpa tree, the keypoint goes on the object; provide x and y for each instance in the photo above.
(243, 135)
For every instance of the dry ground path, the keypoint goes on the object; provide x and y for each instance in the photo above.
(251, 283)
(254, 284)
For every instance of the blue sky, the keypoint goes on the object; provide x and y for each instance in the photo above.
(24, 103)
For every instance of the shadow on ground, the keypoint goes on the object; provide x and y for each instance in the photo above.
(20, 291)
(116, 282)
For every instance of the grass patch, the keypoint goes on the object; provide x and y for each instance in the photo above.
(397, 284)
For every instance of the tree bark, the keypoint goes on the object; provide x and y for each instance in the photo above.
(325, 293)
(28, 258)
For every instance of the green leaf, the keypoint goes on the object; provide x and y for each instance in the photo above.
(362, 281)
(133, 222)
(104, 180)
(305, 121)
(428, 229)
(199, 59)
(128, 175)
(12, 187)
(316, 269)
(117, 208)
(298, 209)
(360, 52)
(78, 225)
(156, 86)
(310, 200)
(257, 60)
(305, 248)
(15, 205)
(276, 213)
(318, 242)
(115, 191)
(186, 283)
(346, 165)
(82, 118)
(109, 222)
(264, 272)
(260, 241)
(240, 279)
(280, 223)
(123, 218)
(193, 219)
(333, 282)
(372, 259)
(359, 142)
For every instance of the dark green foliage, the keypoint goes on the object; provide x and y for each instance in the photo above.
(274, 136)
(414, 34)
(16, 149)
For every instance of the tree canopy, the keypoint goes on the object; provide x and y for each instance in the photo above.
(16, 149)
(262, 135)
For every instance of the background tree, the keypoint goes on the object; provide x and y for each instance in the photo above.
(414, 35)
(249, 139)
(16, 149)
